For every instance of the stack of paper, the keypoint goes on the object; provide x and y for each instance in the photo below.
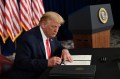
(79, 60)
(81, 57)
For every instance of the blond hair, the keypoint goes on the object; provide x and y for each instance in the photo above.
(52, 16)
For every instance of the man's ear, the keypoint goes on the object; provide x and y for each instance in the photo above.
(43, 25)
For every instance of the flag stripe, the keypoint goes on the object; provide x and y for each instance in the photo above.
(12, 19)
(38, 10)
(26, 14)
(41, 7)
(3, 31)
(15, 17)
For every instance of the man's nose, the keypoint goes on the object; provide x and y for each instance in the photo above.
(56, 30)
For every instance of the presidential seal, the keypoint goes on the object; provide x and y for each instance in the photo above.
(103, 15)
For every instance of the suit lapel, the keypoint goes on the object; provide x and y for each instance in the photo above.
(40, 40)
(52, 46)
(43, 48)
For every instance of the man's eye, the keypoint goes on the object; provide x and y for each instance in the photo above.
(53, 26)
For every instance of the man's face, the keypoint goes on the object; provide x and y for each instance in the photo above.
(51, 28)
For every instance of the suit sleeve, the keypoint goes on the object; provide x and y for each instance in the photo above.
(27, 56)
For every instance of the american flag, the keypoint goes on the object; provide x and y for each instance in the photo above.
(26, 14)
(15, 15)
(38, 11)
(12, 19)
(3, 31)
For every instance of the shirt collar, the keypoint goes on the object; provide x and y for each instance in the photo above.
(43, 34)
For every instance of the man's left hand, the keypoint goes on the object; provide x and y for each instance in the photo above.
(66, 55)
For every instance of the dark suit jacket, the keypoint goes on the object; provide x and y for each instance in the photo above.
(30, 60)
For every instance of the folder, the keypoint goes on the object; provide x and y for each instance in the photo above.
(72, 71)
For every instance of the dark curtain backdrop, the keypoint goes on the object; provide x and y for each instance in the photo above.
(64, 8)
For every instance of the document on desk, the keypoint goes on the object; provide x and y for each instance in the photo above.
(81, 57)
(79, 60)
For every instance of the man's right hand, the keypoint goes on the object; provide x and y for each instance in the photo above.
(53, 61)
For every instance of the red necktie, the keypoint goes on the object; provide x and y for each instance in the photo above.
(48, 47)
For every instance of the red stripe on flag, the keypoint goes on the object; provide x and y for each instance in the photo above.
(38, 10)
(3, 30)
(12, 19)
(25, 14)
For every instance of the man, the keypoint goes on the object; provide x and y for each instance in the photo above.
(34, 55)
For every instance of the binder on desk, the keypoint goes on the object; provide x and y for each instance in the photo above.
(73, 71)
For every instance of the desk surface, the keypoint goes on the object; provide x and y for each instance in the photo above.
(106, 70)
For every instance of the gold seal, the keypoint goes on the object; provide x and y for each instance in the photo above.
(103, 15)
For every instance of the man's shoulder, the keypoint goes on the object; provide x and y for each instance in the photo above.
(31, 32)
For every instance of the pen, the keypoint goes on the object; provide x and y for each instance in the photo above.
(63, 63)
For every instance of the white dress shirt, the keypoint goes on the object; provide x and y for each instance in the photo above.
(44, 42)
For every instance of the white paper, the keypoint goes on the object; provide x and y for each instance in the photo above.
(81, 57)
(79, 60)
(77, 63)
